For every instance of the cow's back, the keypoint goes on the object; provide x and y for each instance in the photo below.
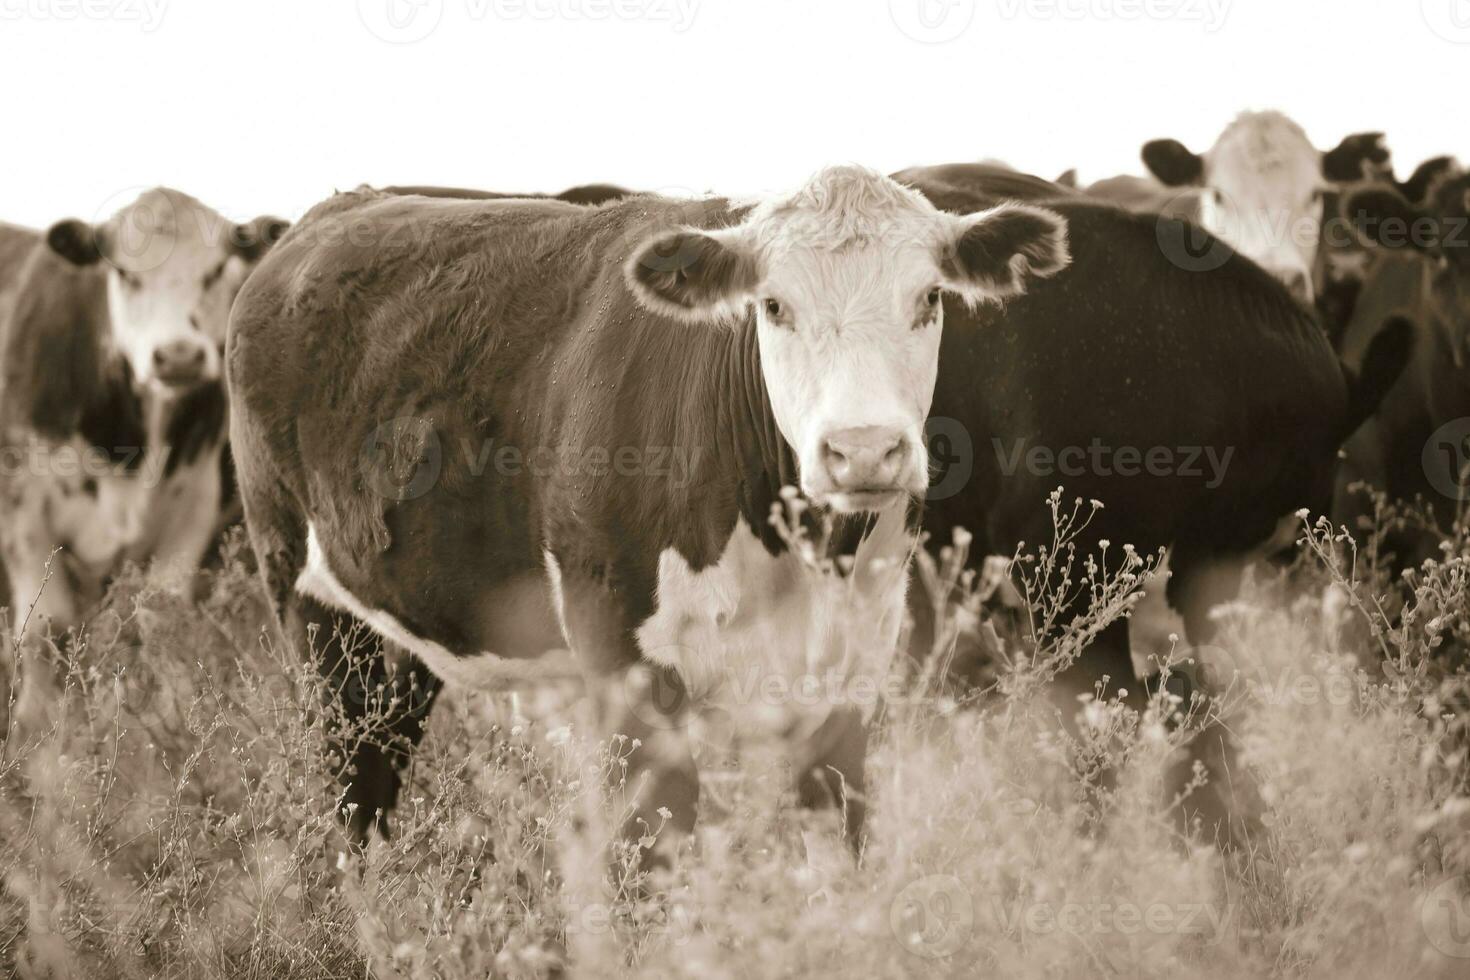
(1127, 352)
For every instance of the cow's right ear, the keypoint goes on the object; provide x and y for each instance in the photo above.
(995, 251)
(1381, 217)
(1357, 157)
(253, 239)
(693, 275)
(76, 241)
(1173, 163)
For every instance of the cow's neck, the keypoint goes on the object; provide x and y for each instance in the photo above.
(747, 434)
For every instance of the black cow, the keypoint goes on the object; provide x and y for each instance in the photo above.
(1416, 444)
(1203, 407)
(540, 425)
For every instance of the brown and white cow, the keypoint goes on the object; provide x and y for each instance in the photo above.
(1261, 188)
(112, 403)
(521, 368)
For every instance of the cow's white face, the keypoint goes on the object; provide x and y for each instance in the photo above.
(1262, 186)
(1263, 194)
(174, 267)
(846, 278)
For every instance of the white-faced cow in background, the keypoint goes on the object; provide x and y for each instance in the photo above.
(112, 411)
(489, 429)
(1261, 187)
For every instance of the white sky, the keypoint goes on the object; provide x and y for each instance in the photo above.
(270, 105)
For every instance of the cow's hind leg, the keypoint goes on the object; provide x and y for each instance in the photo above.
(378, 700)
(1226, 808)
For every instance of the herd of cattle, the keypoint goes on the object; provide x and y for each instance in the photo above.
(440, 410)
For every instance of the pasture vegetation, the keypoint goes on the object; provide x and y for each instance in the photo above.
(164, 808)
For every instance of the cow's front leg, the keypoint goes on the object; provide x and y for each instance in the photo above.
(831, 769)
(657, 784)
(188, 515)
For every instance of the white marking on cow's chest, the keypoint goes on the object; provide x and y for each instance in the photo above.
(484, 671)
(98, 512)
(773, 640)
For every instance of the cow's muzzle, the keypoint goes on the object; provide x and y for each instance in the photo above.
(866, 468)
(180, 363)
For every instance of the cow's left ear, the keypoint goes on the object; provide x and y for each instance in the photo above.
(76, 241)
(253, 239)
(1358, 156)
(1173, 163)
(994, 251)
(694, 275)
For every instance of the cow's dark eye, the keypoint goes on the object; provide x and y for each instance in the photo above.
(129, 280)
(933, 298)
(773, 308)
(212, 276)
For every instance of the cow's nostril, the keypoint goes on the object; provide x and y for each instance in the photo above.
(834, 459)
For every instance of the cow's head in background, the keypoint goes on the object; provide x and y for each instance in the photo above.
(846, 278)
(175, 267)
(1437, 230)
(1262, 188)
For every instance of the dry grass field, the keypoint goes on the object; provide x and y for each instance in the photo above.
(165, 811)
